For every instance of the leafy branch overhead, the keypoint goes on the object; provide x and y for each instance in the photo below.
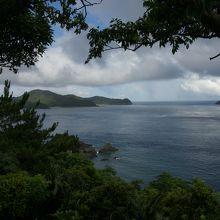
(27, 27)
(165, 22)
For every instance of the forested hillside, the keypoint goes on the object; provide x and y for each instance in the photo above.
(43, 176)
(49, 99)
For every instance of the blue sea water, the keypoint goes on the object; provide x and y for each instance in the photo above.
(182, 138)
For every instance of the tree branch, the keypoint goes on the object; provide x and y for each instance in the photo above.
(211, 58)
(86, 3)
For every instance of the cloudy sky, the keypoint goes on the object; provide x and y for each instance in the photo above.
(149, 74)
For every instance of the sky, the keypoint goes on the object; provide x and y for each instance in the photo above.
(149, 74)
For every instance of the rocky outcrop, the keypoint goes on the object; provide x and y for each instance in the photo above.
(107, 148)
(87, 149)
(91, 151)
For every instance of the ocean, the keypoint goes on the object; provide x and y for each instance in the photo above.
(182, 138)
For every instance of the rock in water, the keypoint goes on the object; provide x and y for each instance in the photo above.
(87, 149)
(107, 148)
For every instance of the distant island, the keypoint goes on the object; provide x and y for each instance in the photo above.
(217, 103)
(50, 99)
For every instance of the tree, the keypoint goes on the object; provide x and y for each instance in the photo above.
(22, 196)
(27, 27)
(165, 22)
(22, 136)
(21, 126)
(168, 197)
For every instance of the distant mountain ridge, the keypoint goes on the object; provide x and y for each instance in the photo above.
(49, 99)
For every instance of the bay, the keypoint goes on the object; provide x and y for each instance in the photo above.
(178, 137)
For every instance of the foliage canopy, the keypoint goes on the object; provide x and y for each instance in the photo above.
(27, 27)
(43, 176)
(165, 22)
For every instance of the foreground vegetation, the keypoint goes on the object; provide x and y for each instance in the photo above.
(42, 176)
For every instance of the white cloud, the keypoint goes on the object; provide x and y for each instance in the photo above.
(204, 85)
(60, 67)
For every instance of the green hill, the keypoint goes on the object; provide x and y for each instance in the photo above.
(99, 100)
(50, 99)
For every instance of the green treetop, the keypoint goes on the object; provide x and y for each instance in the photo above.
(19, 124)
